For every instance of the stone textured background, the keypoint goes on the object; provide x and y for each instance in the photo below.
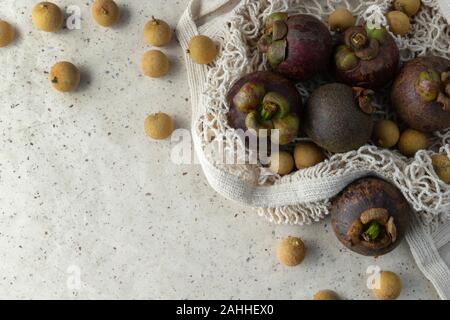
(84, 192)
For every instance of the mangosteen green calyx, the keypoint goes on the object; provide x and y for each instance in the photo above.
(367, 57)
(421, 93)
(338, 118)
(265, 100)
(370, 216)
(297, 46)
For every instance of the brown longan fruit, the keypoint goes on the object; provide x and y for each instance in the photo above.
(65, 76)
(291, 251)
(157, 33)
(398, 22)
(341, 19)
(441, 165)
(159, 126)
(202, 50)
(410, 7)
(281, 163)
(390, 286)
(412, 141)
(326, 295)
(47, 16)
(155, 64)
(105, 12)
(307, 154)
(386, 133)
(7, 33)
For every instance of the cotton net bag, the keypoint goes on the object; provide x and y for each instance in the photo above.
(304, 196)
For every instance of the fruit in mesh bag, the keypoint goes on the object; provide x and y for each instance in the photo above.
(297, 46)
(341, 19)
(366, 57)
(421, 93)
(264, 101)
(338, 118)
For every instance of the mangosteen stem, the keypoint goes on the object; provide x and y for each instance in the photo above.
(373, 231)
(268, 110)
(364, 98)
(358, 40)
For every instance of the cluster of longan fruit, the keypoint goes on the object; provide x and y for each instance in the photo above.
(291, 252)
(65, 76)
(397, 19)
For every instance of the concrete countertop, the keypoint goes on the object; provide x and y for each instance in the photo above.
(91, 208)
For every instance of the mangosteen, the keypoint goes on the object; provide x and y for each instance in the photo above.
(370, 216)
(338, 118)
(297, 46)
(421, 93)
(366, 57)
(265, 100)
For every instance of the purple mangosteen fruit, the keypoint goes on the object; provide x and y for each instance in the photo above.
(297, 46)
(421, 93)
(366, 57)
(265, 100)
(338, 118)
(370, 216)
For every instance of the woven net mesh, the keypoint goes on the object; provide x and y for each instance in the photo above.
(415, 177)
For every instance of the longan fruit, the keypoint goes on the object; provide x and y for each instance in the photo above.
(386, 133)
(291, 251)
(307, 154)
(390, 286)
(441, 165)
(155, 64)
(7, 33)
(281, 163)
(65, 76)
(326, 295)
(105, 12)
(410, 7)
(398, 22)
(47, 16)
(159, 126)
(341, 19)
(157, 33)
(412, 141)
(202, 49)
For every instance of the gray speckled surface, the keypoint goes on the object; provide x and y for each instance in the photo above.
(84, 192)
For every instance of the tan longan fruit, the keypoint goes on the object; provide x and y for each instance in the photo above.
(47, 17)
(307, 154)
(155, 64)
(105, 12)
(202, 49)
(281, 163)
(157, 33)
(441, 165)
(7, 33)
(410, 7)
(390, 286)
(412, 141)
(386, 133)
(159, 126)
(65, 76)
(398, 22)
(326, 295)
(291, 251)
(341, 19)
